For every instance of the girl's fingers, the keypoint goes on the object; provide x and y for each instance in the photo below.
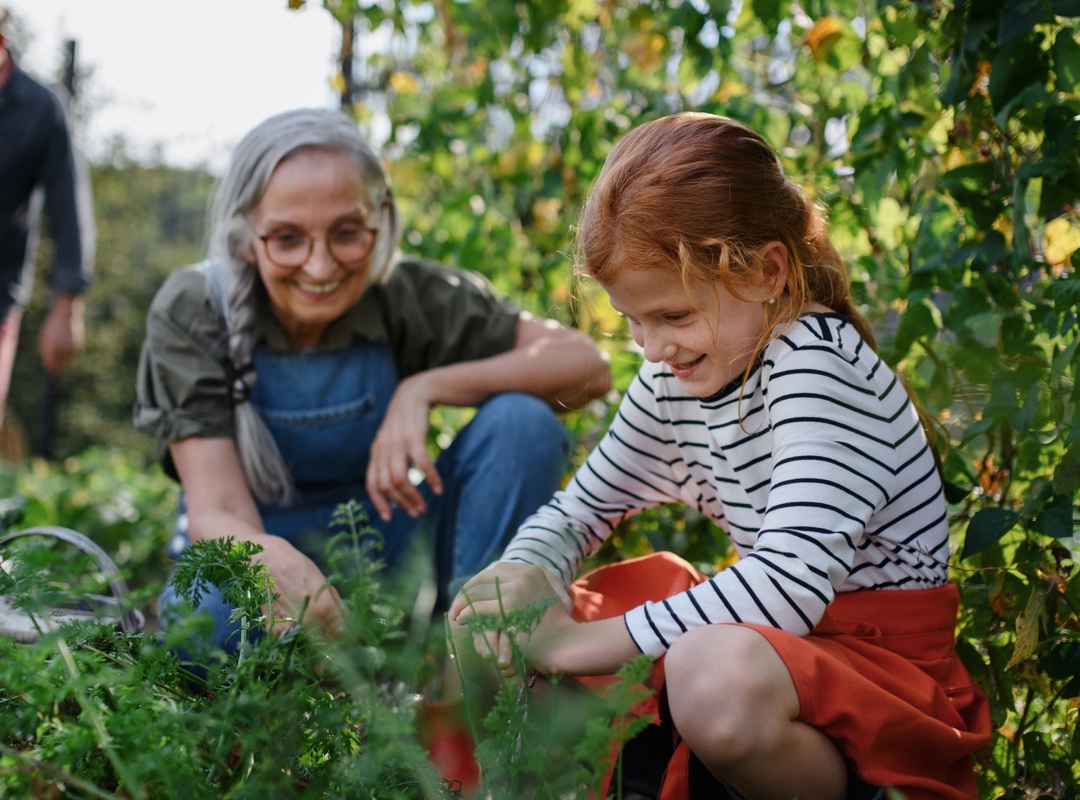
(486, 645)
(506, 656)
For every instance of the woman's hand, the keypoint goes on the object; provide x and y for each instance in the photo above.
(297, 580)
(219, 503)
(400, 444)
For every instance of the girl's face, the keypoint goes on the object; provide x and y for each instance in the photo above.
(707, 343)
(319, 195)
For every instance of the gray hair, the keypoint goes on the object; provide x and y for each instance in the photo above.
(10, 29)
(238, 192)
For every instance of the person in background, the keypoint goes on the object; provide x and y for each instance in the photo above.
(39, 171)
(297, 368)
(820, 665)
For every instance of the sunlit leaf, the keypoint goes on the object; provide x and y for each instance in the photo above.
(403, 82)
(821, 38)
(1029, 624)
(1062, 240)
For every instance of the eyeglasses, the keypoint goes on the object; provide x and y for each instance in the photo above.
(349, 243)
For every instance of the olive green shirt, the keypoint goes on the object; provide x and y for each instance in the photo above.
(430, 315)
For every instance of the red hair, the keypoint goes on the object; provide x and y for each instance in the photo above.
(704, 195)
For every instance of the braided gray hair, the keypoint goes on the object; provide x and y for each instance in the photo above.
(239, 191)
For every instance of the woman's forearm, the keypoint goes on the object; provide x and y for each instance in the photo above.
(559, 365)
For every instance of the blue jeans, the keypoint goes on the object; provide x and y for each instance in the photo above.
(500, 468)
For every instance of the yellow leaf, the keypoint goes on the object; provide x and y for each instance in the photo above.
(1028, 623)
(403, 82)
(823, 37)
(1062, 240)
(547, 214)
(645, 49)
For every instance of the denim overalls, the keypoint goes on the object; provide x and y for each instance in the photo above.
(324, 408)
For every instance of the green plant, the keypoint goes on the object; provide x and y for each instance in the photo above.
(89, 712)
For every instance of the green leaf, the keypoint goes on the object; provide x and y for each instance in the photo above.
(1066, 60)
(986, 528)
(918, 322)
(974, 185)
(955, 493)
(771, 13)
(1066, 294)
(985, 326)
(1066, 480)
(1017, 65)
(1020, 18)
(1055, 520)
(1023, 416)
(1063, 664)
(1065, 8)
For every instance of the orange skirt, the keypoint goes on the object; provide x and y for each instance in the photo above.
(878, 675)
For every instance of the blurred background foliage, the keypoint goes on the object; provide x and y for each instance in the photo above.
(943, 137)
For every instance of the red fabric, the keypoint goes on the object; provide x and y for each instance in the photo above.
(611, 591)
(879, 675)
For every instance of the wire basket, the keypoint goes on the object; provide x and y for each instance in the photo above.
(25, 625)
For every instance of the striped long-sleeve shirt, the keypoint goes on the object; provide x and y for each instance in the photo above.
(817, 467)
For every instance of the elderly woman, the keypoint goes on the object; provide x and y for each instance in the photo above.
(297, 368)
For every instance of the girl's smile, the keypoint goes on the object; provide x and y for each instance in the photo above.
(706, 337)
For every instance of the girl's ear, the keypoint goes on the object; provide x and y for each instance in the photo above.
(774, 270)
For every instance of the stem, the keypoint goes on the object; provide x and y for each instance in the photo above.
(29, 764)
(104, 740)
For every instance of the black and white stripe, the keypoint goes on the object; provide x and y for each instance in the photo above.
(818, 469)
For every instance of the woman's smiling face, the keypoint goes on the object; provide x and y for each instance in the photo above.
(318, 194)
(707, 342)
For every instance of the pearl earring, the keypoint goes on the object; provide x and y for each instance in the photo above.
(772, 301)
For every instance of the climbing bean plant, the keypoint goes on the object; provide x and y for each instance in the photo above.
(944, 139)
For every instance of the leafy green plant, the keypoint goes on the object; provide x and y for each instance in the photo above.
(90, 712)
(292, 716)
(553, 739)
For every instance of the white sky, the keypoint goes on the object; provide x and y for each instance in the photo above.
(190, 76)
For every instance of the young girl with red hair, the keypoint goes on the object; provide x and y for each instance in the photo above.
(821, 664)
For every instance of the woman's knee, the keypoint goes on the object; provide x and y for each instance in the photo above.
(525, 415)
(517, 427)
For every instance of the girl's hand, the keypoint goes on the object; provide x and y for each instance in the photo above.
(508, 587)
(558, 643)
(400, 444)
